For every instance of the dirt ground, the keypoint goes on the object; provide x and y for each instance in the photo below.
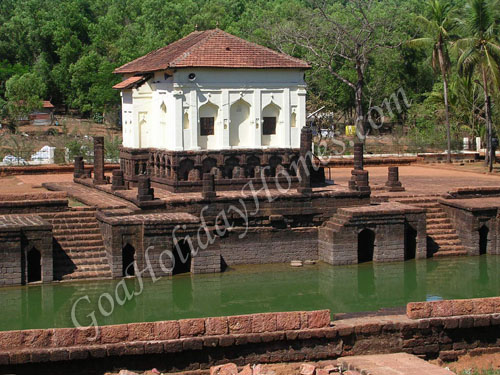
(471, 365)
(30, 183)
(418, 179)
(32, 137)
(423, 179)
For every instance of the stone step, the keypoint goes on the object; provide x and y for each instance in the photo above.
(436, 215)
(439, 220)
(434, 210)
(65, 244)
(68, 215)
(92, 267)
(445, 248)
(414, 200)
(82, 249)
(93, 256)
(443, 225)
(78, 237)
(437, 232)
(429, 205)
(450, 253)
(87, 275)
(337, 221)
(74, 226)
(73, 220)
(454, 242)
(444, 237)
(77, 231)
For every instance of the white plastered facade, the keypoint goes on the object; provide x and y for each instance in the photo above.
(165, 111)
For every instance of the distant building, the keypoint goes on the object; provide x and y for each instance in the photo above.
(42, 116)
(212, 91)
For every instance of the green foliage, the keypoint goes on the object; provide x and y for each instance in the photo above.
(66, 52)
(24, 93)
(479, 372)
(112, 147)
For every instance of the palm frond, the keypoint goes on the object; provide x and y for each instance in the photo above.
(420, 42)
(493, 65)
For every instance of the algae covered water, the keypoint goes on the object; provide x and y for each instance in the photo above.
(249, 289)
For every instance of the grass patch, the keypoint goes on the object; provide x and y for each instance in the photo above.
(480, 372)
(74, 203)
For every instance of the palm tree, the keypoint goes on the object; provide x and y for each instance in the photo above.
(480, 52)
(437, 28)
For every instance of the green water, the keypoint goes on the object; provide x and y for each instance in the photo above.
(251, 289)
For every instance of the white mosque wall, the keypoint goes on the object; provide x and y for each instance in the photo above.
(166, 112)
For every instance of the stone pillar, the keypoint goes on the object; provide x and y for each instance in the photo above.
(305, 161)
(359, 180)
(117, 183)
(208, 191)
(99, 161)
(393, 183)
(144, 190)
(362, 181)
(358, 166)
(358, 156)
(79, 170)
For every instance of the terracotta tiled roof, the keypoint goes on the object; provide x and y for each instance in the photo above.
(47, 104)
(214, 49)
(128, 83)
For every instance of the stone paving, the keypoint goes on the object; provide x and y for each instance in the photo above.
(422, 180)
(391, 364)
(90, 196)
(418, 180)
(22, 221)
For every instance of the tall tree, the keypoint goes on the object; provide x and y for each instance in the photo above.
(342, 38)
(438, 27)
(480, 53)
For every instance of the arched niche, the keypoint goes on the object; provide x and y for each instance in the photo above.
(143, 129)
(366, 245)
(128, 259)
(270, 124)
(293, 120)
(185, 120)
(207, 113)
(34, 265)
(240, 130)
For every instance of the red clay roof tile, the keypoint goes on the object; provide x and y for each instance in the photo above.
(214, 49)
(128, 83)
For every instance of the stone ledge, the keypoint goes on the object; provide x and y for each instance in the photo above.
(164, 330)
(448, 308)
(129, 348)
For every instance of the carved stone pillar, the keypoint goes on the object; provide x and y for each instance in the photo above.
(393, 183)
(144, 190)
(79, 171)
(99, 178)
(117, 183)
(305, 164)
(208, 191)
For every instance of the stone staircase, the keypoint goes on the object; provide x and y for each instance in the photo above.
(78, 245)
(442, 237)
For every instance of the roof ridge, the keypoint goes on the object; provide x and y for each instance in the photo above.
(159, 49)
(294, 59)
(194, 47)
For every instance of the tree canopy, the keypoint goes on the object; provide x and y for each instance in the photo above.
(73, 46)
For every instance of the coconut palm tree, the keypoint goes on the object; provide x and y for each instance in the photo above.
(479, 52)
(438, 28)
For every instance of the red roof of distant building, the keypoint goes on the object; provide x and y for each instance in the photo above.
(214, 49)
(129, 82)
(47, 104)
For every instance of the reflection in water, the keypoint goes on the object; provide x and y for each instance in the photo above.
(250, 289)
